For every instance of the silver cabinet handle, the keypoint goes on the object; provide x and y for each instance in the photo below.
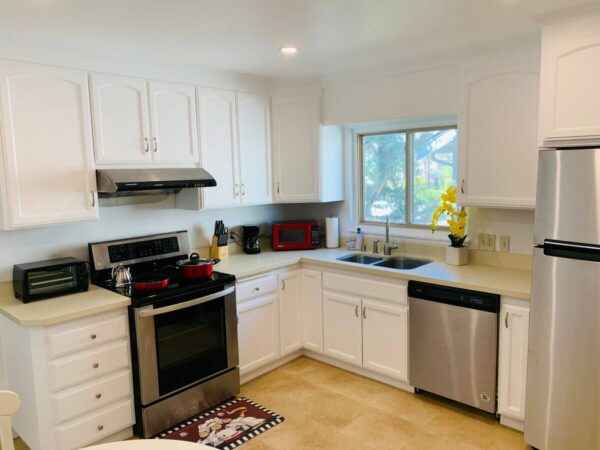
(257, 289)
(100, 427)
(243, 189)
(93, 336)
(462, 186)
(356, 310)
(95, 365)
(98, 396)
(364, 312)
(155, 145)
(283, 285)
(147, 145)
(278, 187)
(236, 189)
(506, 320)
(93, 199)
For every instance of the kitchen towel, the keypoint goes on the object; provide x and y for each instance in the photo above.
(332, 232)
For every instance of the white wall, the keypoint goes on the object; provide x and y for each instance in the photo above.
(158, 216)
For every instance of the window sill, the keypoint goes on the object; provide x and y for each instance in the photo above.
(415, 235)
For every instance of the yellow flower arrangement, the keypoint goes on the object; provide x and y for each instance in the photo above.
(457, 217)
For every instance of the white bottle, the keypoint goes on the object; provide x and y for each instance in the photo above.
(359, 240)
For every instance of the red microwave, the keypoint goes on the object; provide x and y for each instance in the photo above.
(295, 235)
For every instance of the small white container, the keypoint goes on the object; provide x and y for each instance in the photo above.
(457, 256)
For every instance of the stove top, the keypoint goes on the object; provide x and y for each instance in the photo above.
(178, 287)
(151, 255)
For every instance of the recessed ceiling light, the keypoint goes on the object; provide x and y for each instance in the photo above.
(289, 50)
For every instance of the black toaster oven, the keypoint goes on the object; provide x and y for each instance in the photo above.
(51, 278)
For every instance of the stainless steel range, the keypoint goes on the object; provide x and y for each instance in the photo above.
(184, 335)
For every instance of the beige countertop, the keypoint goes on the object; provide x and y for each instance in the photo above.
(497, 280)
(59, 309)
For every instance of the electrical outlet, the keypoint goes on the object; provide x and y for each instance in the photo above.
(487, 242)
(505, 243)
(482, 241)
(492, 243)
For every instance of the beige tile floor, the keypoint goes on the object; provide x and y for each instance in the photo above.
(328, 408)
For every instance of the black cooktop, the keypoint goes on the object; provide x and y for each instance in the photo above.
(178, 290)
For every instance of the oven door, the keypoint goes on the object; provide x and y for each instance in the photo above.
(184, 343)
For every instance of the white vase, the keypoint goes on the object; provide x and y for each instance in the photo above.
(457, 256)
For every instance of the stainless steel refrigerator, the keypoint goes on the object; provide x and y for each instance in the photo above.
(563, 374)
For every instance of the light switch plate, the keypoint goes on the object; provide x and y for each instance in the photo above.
(482, 241)
(505, 243)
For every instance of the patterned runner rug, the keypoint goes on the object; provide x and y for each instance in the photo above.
(227, 426)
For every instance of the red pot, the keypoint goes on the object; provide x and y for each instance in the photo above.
(196, 267)
(150, 283)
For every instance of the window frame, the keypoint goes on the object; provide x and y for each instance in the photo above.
(408, 164)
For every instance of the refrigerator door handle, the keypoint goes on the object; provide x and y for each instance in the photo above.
(572, 250)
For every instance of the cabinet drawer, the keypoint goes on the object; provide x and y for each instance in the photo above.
(87, 365)
(80, 335)
(394, 292)
(97, 426)
(83, 399)
(256, 287)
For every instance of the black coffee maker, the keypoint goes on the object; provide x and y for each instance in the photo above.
(250, 237)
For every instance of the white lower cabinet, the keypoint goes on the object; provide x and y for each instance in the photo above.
(258, 332)
(512, 360)
(290, 311)
(82, 396)
(342, 328)
(385, 338)
(312, 310)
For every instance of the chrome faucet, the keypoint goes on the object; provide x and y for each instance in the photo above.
(376, 247)
(387, 247)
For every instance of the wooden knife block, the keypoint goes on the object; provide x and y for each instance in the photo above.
(217, 252)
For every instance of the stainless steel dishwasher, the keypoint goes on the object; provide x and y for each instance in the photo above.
(454, 343)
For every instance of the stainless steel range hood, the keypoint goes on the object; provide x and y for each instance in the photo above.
(125, 182)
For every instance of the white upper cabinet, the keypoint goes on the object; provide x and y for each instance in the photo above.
(498, 137)
(308, 160)
(173, 122)
(296, 149)
(120, 115)
(570, 91)
(255, 148)
(218, 146)
(47, 175)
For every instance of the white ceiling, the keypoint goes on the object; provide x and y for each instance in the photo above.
(334, 36)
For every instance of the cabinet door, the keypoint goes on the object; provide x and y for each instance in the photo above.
(255, 148)
(173, 120)
(498, 137)
(570, 90)
(512, 361)
(218, 146)
(385, 338)
(258, 332)
(120, 118)
(290, 311)
(312, 310)
(342, 329)
(48, 174)
(296, 149)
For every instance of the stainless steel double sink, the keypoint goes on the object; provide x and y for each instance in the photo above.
(398, 263)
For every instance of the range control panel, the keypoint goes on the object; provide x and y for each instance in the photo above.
(142, 249)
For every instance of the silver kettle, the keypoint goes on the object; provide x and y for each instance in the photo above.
(120, 276)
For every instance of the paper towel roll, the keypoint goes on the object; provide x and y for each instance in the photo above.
(332, 232)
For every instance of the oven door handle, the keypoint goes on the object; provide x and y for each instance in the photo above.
(189, 304)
